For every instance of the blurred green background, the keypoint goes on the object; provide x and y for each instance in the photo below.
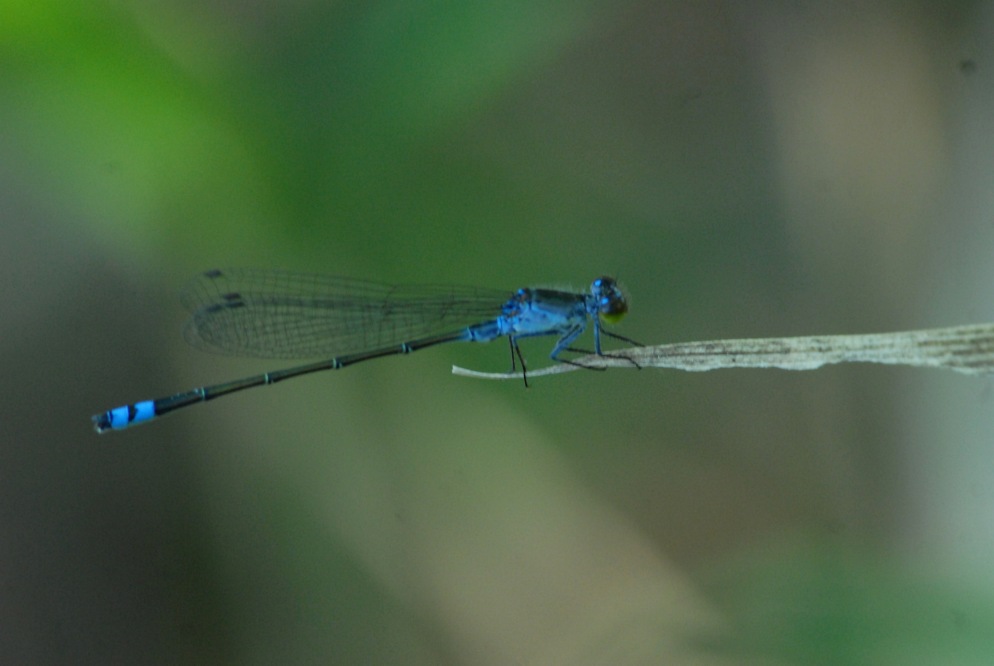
(746, 169)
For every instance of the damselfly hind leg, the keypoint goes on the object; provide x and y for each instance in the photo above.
(516, 352)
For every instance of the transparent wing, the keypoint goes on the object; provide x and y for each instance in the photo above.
(278, 314)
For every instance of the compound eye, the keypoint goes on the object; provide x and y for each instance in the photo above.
(614, 304)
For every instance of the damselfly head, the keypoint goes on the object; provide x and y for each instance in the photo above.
(611, 302)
